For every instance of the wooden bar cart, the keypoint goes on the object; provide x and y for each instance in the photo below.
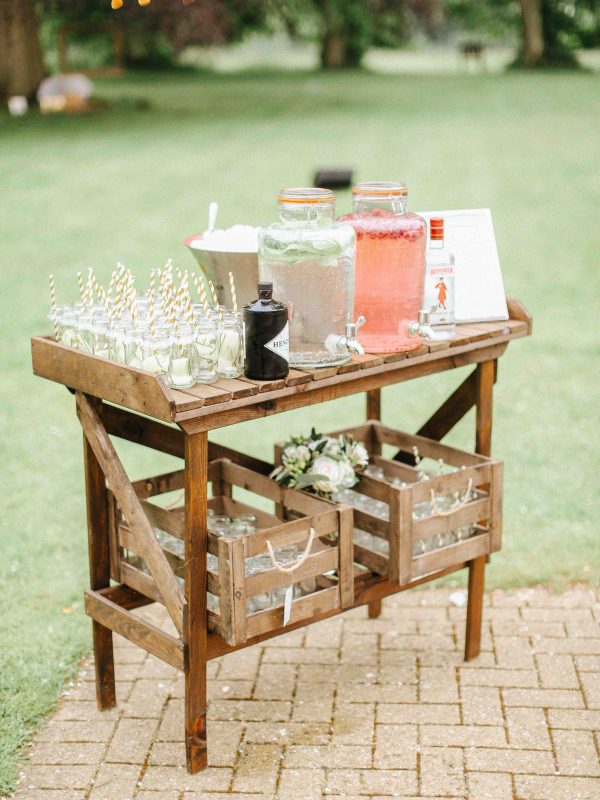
(130, 567)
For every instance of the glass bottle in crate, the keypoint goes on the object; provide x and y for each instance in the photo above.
(309, 259)
(116, 341)
(230, 360)
(156, 350)
(132, 345)
(439, 296)
(100, 341)
(204, 365)
(85, 336)
(390, 265)
(66, 321)
(181, 360)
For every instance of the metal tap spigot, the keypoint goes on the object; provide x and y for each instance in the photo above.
(425, 329)
(351, 336)
(422, 326)
(347, 342)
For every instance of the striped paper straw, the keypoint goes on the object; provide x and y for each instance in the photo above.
(150, 294)
(121, 298)
(81, 289)
(53, 306)
(189, 313)
(104, 299)
(132, 298)
(111, 285)
(166, 285)
(89, 287)
(179, 299)
(216, 302)
(171, 315)
(233, 294)
(201, 285)
(96, 285)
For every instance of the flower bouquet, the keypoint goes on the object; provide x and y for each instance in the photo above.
(321, 464)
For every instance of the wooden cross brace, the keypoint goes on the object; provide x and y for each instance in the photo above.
(141, 529)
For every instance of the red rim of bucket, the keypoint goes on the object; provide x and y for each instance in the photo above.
(188, 242)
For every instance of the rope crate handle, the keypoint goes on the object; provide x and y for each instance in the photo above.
(462, 503)
(297, 563)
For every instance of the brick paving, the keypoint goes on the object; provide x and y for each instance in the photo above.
(353, 708)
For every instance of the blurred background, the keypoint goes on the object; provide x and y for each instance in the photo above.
(489, 103)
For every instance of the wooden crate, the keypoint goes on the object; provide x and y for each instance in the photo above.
(327, 566)
(402, 531)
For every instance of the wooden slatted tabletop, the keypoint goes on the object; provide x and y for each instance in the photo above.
(208, 406)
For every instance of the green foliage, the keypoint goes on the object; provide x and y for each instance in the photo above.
(344, 29)
(392, 23)
(566, 24)
(493, 18)
(156, 33)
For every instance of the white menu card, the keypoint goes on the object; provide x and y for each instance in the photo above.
(469, 235)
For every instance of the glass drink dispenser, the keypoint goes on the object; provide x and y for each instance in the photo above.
(309, 259)
(390, 265)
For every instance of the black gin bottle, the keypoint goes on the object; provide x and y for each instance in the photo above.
(267, 337)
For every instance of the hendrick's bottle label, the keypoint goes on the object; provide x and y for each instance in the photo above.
(280, 344)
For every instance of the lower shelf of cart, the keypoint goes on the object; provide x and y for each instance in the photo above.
(114, 608)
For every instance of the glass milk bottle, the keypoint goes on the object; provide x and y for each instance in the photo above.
(181, 361)
(230, 360)
(309, 259)
(390, 265)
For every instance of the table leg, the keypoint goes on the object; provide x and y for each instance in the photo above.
(374, 412)
(374, 404)
(99, 560)
(485, 377)
(374, 608)
(195, 617)
(475, 607)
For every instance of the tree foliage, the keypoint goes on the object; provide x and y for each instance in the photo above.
(159, 31)
(343, 29)
(493, 18)
(564, 25)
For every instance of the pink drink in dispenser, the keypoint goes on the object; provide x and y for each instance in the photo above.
(390, 265)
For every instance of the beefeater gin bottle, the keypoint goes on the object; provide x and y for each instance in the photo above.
(439, 292)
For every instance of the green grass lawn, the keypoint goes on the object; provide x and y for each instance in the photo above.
(129, 183)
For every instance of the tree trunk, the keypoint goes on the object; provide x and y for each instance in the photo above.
(21, 63)
(333, 51)
(532, 48)
(342, 32)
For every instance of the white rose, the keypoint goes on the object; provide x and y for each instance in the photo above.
(333, 472)
(348, 476)
(303, 454)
